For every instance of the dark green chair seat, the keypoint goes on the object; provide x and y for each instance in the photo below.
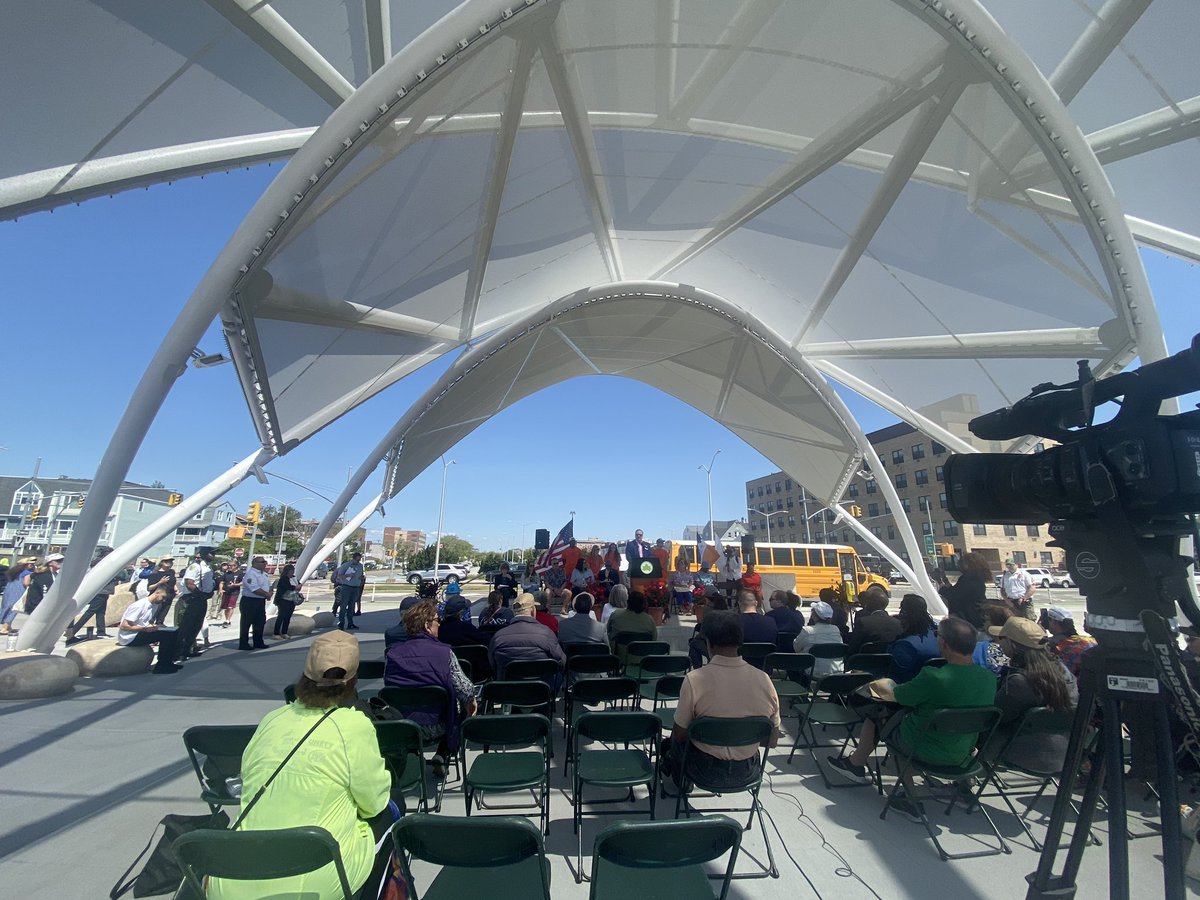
(784, 668)
(636, 650)
(216, 755)
(257, 856)
(614, 768)
(652, 860)
(592, 692)
(829, 707)
(500, 858)
(501, 767)
(507, 771)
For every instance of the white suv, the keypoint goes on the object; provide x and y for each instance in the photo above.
(1045, 578)
(448, 572)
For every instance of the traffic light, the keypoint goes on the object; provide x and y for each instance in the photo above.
(255, 510)
(174, 499)
(79, 502)
(34, 513)
(947, 550)
(856, 510)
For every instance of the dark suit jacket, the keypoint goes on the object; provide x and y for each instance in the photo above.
(872, 627)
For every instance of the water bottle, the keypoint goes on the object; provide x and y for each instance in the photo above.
(11, 643)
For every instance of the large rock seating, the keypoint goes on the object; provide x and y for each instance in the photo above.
(322, 619)
(298, 627)
(31, 676)
(117, 604)
(106, 659)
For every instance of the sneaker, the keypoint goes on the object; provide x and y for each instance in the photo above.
(166, 670)
(438, 765)
(848, 770)
(909, 809)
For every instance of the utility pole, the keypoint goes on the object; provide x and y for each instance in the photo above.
(712, 531)
(807, 527)
(437, 551)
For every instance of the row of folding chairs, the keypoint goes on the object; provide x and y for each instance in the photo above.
(497, 858)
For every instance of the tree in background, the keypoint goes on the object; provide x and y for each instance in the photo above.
(454, 550)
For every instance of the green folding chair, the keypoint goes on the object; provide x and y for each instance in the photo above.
(979, 723)
(635, 651)
(589, 665)
(499, 857)
(257, 856)
(756, 653)
(663, 859)
(610, 692)
(216, 755)
(585, 648)
(429, 700)
(476, 656)
(289, 694)
(501, 769)
(829, 707)
(879, 665)
(624, 767)
(369, 669)
(653, 668)
(790, 674)
(402, 750)
(750, 731)
(666, 689)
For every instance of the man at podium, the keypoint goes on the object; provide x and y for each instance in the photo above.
(637, 548)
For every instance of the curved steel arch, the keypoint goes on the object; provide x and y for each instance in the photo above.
(519, 340)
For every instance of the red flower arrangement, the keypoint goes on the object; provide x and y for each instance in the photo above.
(655, 593)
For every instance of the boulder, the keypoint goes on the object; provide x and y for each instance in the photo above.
(25, 675)
(105, 659)
(323, 620)
(298, 627)
(117, 604)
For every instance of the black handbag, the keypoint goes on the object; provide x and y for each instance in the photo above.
(162, 873)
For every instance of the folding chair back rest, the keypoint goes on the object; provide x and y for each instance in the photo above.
(829, 651)
(842, 683)
(422, 698)
(668, 845)
(668, 687)
(603, 690)
(878, 664)
(259, 855)
(936, 663)
(289, 694)
(371, 668)
(625, 638)
(593, 663)
(465, 842)
(785, 641)
(516, 693)
(222, 747)
(641, 649)
(665, 664)
(618, 726)
(531, 669)
(731, 732)
(506, 731)
(974, 720)
(874, 647)
(1041, 722)
(790, 663)
(397, 738)
(578, 648)
(756, 652)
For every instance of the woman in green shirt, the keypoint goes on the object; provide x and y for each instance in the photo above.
(337, 779)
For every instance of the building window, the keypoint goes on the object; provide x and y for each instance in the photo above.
(905, 505)
(891, 532)
(942, 501)
(754, 526)
(1047, 558)
(1010, 530)
(750, 496)
(762, 507)
(939, 473)
(938, 449)
(1019, 557)
(887, 508)
(918, 451)
(788, 484)
(768, 489)
(926, 528)
(760, 490)
(792, 521)
(872, 510)
(872, 487)
(852, 491)
(949, 528)
(979, 530)
(923, 503)
(778, 489)
(897, 456)
(770, 505)
(904, 556)
(845, 537)
(901, 481)
(875, 530)
(857, 538)
(1032, 531)
(921, 476)
(791, 501)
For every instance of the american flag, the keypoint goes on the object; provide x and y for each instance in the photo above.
(560, 543)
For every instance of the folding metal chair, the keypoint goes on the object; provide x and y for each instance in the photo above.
(829, 707)
(592, 692)
(663, 859)
(216, 755)
(501, 769)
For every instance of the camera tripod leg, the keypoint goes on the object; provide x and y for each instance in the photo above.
(1168, 803)
(1118, 837)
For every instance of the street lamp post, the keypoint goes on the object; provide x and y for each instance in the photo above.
(283, 523)
(766, 516)
(708, 471)
(437, 552)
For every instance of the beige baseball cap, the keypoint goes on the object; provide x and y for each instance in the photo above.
(524, 604)
(334, 650)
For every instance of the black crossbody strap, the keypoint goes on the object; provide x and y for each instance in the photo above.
(262, 790)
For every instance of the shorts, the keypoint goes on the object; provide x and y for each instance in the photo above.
(229, 600)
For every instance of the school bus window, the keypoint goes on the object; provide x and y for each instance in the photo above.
(781, 556)
(830, 557)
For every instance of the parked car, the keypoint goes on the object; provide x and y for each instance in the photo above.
(447, 572)
(1061, 579)
(895, 576)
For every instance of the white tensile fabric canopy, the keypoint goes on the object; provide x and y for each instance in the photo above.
(888, 192)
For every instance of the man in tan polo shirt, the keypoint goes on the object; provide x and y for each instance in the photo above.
(728, 687)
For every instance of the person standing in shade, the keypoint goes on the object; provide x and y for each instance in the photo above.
(637, 548)
(230, 588)
(256, 588)
(612, 558)
(193, 603)
(595, 561)
(1017, 588)
(164, 573)
(17, 580)
(349, 579)
(287, 595)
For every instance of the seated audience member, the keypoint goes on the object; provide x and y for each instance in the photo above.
(398, 633)
(582, 628)
(523, 638)
(496, 615)
(758, 629)
(506, 583)
(958, 684)
(581, 578)
(454, 592)
(618, 598)
(556, 581)
(820, 630)
(873, 624)
(1065, 642)
(345, 792)
(139, 628)
(988, 652)
(531, 581)
(917, 642)
(633, 618)
(714, 601)
(842, 609)
(542, 611)
(1033, 677)
(423, 659)
(785, 610)
(965, 598)
(728, 687)
(456, 631)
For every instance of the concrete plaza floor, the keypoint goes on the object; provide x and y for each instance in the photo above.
(85, 777)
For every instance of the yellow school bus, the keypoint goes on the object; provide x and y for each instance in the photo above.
(814, 566)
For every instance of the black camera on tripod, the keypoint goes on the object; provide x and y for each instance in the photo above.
(1118, 495)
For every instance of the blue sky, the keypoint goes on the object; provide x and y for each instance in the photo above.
(89, 290)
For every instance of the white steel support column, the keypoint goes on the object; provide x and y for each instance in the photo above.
(338, 539)
(53, 613)
(933, 600)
